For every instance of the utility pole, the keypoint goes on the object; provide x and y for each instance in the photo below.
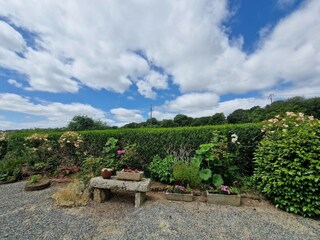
(270, 97)
(151, 115)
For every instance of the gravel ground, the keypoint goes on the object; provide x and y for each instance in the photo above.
(33, 215)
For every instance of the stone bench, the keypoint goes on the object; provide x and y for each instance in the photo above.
(100, 189)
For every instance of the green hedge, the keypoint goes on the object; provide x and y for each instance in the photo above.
(157, 141)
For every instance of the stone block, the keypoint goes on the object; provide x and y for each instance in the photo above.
(223, 199)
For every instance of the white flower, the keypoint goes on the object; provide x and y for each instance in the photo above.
(234, 138)
(285, 125)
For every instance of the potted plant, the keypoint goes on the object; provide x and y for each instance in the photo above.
(224, 195)
(129, 174)
(179, 193)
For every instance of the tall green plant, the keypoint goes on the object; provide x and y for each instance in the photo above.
(287, 163)
(162, 169)
(214, 159)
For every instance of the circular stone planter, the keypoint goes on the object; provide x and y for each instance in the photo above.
(37, 186)
(7, 182)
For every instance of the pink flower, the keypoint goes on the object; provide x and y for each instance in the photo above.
(120, 152)
(311, 118)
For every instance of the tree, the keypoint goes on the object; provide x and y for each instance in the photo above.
(131, 125)
(182, 120)
(167, 123)
(83, 122)
(218, 119)
(238, 116)
(152, 122)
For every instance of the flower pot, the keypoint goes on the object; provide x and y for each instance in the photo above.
(186, 197)
(131, 176)
(106, 172)
(223, 199)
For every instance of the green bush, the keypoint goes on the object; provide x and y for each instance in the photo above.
(10, 170)
(3, 144)
(186, 173)
(162, 169)
(287, 163)
(149, 143)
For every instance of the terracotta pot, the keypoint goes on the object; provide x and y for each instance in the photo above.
(106, 172)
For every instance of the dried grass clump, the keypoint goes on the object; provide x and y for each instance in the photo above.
(73, 195)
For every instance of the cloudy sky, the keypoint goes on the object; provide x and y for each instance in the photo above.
(112, 59)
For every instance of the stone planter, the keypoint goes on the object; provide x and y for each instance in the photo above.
(131, 176)
(186, 197)
(222, 199)
(42, 184)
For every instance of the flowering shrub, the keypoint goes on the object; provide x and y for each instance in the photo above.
(70, 140)
(3, 144)
(39, 150)
(70, 148)
(179, 189)
(287, 165)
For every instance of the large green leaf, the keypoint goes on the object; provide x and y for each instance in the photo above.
(205, 174)
(196, 161)
(217, 180)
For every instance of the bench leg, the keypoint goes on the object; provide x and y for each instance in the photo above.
(101, 195)
(139, 198)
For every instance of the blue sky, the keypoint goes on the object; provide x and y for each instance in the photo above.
(111, 60)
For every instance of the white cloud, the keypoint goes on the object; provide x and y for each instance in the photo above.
(163, 115)
(185, 38)
(56, 114)
(225, 107)
(192, 102)
(153, 80)
(10, 39)
(15, 83)
(124, 115)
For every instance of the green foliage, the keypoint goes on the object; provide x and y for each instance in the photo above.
(287, 165)
(3, 144)
(149, 143)
(71, 148)
(83, 122)
(215, 160)
(91, 167)
(130, 158)
(162, 169)
(186, 173)
(34, 179)
(109, 154)
(10, 170)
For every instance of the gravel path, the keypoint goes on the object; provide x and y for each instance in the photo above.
(33, 215)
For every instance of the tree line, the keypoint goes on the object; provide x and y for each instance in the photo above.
(309, 106)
